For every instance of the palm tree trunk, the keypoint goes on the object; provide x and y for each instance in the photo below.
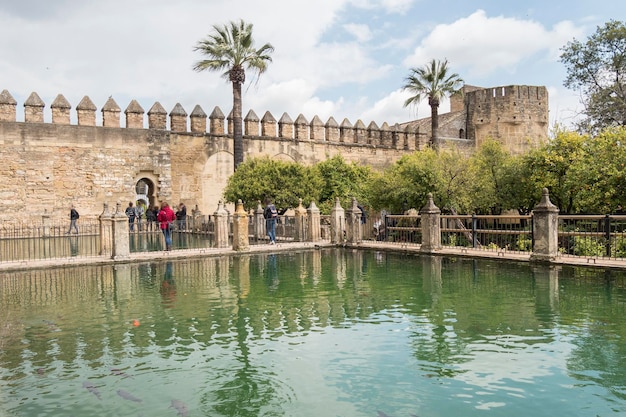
(237, 126)
(434, 122)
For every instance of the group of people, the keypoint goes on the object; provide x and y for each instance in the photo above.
(136, 213)
(164, 217)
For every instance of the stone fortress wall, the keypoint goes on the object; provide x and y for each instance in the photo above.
(50, 166)
(180, 157)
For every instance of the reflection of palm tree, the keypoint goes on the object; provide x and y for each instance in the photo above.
(231, 48)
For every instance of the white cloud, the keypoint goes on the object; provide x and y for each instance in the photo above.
(485, 45)
(361, 32)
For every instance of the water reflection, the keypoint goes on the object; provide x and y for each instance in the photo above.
(326, 332)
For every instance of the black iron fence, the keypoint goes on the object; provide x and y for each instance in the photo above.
(593, 236)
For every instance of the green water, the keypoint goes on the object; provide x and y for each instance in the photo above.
(320, 333)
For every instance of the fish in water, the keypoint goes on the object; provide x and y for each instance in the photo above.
(92, 388)
(128, 396)
(181, 407)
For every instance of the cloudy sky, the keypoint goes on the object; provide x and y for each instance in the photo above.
(340, 58)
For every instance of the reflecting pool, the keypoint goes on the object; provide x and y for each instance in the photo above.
(315, 333)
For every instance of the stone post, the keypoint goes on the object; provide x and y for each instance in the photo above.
(300, 220)
(545, 230)
(240, 229)
(251, 124)
(157, 117)
(111, 114)
(301, 128)
(313, 214)
(337, 223)
(45, 220)
(134, 115)
(60, 110)
(106, 226)
(285, 127)
(354, 230)
(196, 216)
(86, 112)
(259, 222)
(221, 226)
(33, 109)
(216, 122)
(331, 130)
(197, 120)
(178, 119)
(121, 247)
(7, 107)
(317, 129)
(430, 216)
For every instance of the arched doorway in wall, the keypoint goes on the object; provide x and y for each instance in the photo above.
(145, 191)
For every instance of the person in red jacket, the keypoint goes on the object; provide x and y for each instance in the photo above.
(165, 218)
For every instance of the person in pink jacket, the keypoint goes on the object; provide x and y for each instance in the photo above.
(165, 218)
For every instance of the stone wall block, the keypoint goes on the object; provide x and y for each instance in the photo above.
(60, 110)
(178, 119)
(346, 132)
(111, 114)
(285, 127)
(134, 115)
(268, 125)
(316, 129)
(301, 128)
(33, 109)
(198, 120)
(86, 112)
(7, 107)
(216, 121)
(157, 117)
(331, 129)
(251, 124)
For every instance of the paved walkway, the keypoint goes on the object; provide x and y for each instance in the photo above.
(299, 246)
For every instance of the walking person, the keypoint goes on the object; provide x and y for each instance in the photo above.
(165, 218)
(74, 216)
(131, 213)
(271, 215)
(140, 209)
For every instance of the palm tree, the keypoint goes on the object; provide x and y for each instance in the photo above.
(231, 48)
(433, 81)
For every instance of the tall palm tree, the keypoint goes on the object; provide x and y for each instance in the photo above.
(435, 82)
(230, 48)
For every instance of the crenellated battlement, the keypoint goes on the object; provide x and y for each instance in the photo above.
(215, 124)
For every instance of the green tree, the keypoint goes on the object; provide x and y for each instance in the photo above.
(284, 182)
(601, 172)
(551, 166)
(406, 184)
(342, 180)
(230, 48)
(435, 82)
(597, 69)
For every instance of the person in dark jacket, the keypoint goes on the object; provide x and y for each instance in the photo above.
(74, 216)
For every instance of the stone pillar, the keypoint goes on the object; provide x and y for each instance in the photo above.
(300, 223)
(302, 127)
(359, 132)
(313, 214)
(86, 112)
(198, 120)
(545, 230)
(268, 125)
(121, 247)
(216, 122)
(106, 231)
(221, 226)
(331, 130)
(178, 119)
(157, 117)
(33, 109)
(111, 114)
(240, 229)
(7, 107)
(337, 223)
(346, 132)
(285, 127)
(196, 216)
(317, 129)
(45, 220)
(430, 216)
(60, 110)
(251, 124)
(134, 115)
(354, 229)
(259, 222)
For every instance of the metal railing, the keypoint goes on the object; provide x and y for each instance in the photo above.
(484, 232)
(593, 236)
(391, 228)
(46, 240)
